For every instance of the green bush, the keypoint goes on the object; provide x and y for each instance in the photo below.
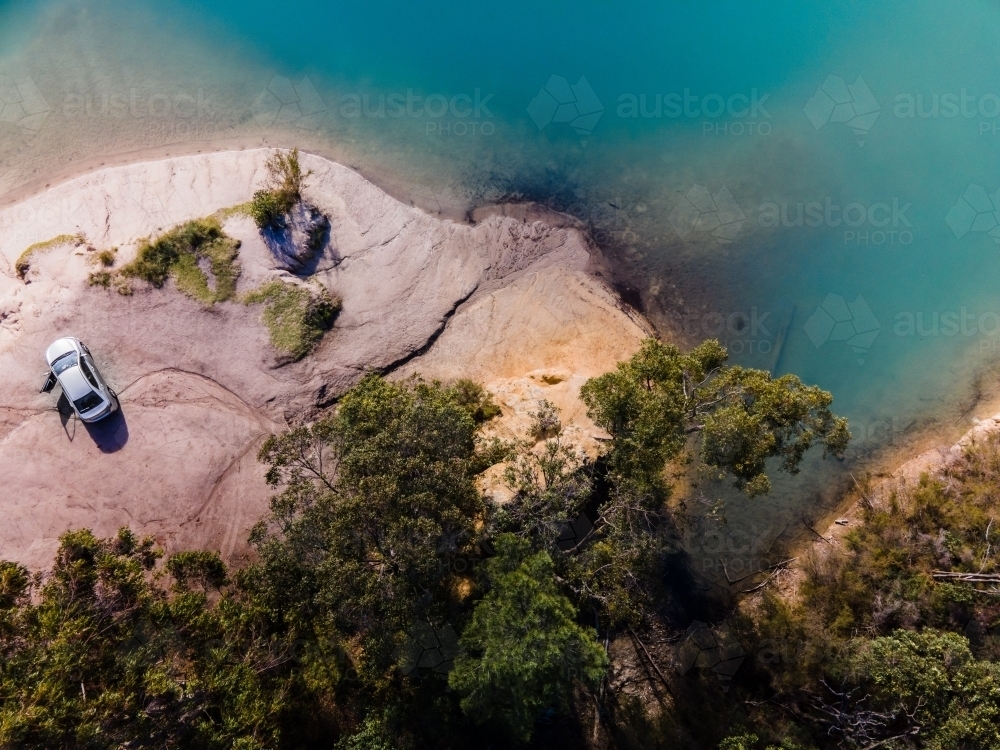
(296, 317)
(106, 258)
(929, 685)
(100, 278)
(885, 577)
(268, 209)
(284, 189)
(477, 399)
(177, 253)
(97, 655)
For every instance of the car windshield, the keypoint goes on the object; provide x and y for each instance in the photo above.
(64, 362)
(87, 403)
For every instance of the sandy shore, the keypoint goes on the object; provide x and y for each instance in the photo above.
(393, 184)
(511, 300)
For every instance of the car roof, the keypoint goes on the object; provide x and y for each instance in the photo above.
(60, 347)
(73, 383)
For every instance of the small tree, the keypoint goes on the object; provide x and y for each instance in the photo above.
(653, 403)
(524, 649)
(375, 501)
(550, 488)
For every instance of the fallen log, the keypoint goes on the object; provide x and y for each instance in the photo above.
(966, 577)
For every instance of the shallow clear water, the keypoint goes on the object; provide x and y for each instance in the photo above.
(788, 176)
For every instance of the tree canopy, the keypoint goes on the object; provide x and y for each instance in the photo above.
(390, 604)
(653, 403)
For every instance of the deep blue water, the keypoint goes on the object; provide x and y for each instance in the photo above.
(691, 135)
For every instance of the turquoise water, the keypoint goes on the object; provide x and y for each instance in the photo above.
(691, 136)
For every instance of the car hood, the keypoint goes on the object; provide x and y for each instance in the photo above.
(58, 348)
(73, 383)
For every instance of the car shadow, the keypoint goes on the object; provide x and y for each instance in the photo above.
(67, 418)
(110, 434)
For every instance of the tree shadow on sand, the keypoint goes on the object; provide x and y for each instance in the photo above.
(110, 434)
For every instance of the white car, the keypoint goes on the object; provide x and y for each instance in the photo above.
(72, 366)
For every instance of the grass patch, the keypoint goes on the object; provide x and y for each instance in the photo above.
(101, 278)
(23, 263)
(106, 258)
(241, 209)
(286, 179)
(296, 317)
(178, 252)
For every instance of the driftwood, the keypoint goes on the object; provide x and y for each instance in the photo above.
(754, 572)
(828, 541)
(666, 683)
(777, 568)
(967, 577)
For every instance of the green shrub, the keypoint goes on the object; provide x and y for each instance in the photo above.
(296, 317)
(371, 736)
(284, 189)
(884, 578)
(106, 258)
(476, 399)
(873, 615)
(267, 208)
(100, 278)
(928, 684)
(177, 253)
(524, 648)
